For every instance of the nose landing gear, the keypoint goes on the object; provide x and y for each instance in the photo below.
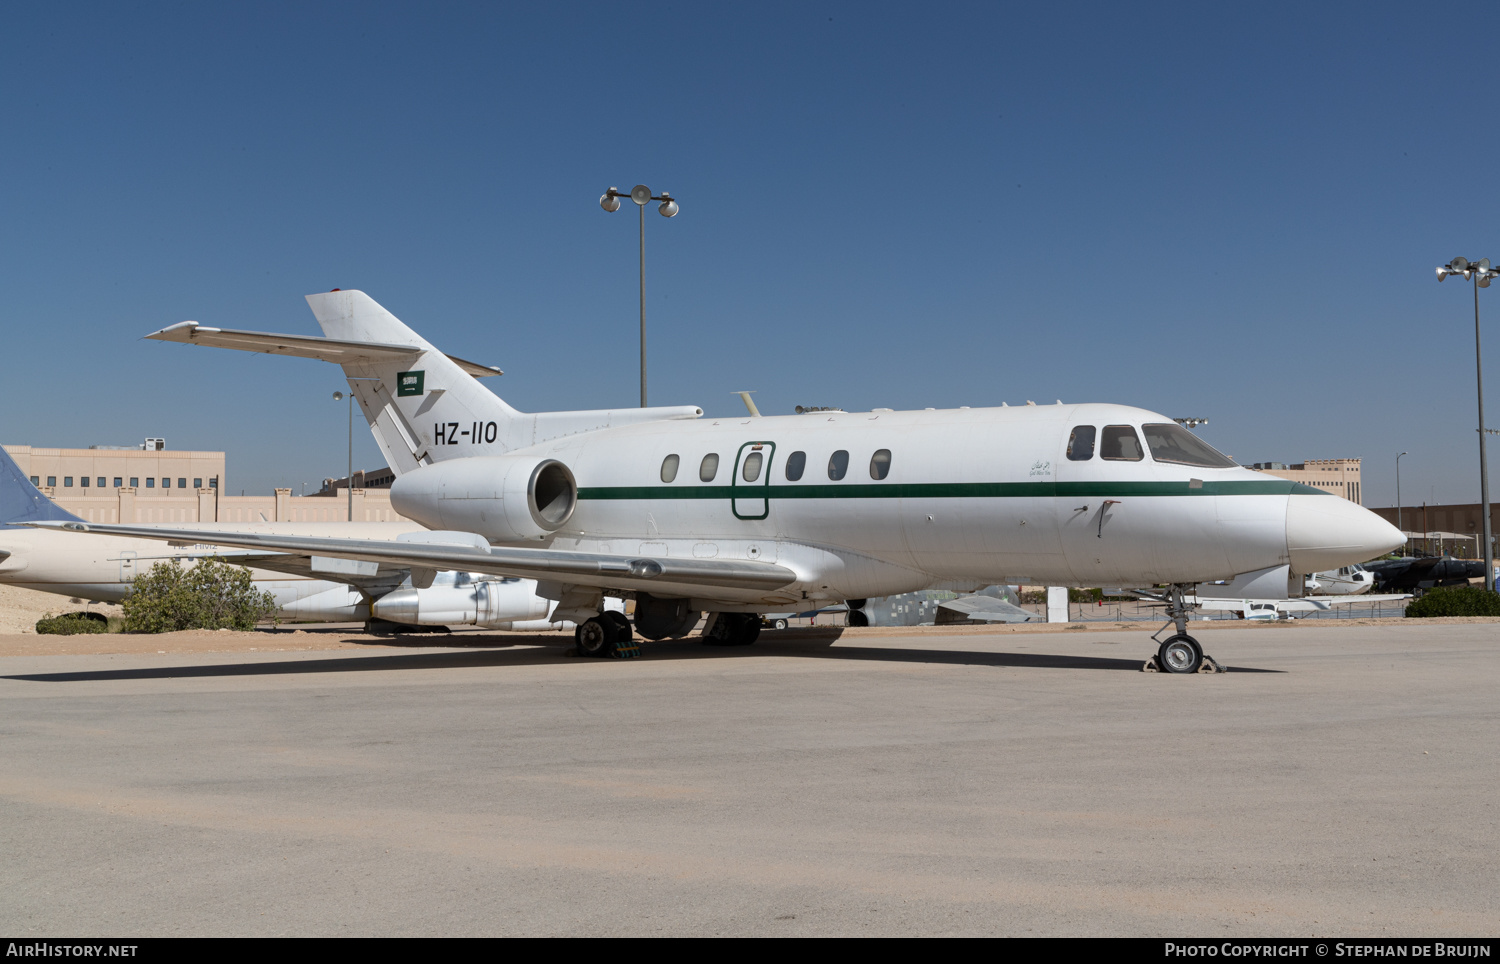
(1178, 653)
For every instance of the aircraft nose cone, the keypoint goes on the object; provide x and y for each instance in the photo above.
(1326, 531)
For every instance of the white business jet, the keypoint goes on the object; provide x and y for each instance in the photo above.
(736, 516)
(306, 588)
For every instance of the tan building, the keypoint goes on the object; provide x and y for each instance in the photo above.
(151, 483)
(1339, 476)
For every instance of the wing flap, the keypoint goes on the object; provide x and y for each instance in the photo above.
(648, 573)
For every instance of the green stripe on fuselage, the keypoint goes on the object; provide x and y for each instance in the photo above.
(946, 490)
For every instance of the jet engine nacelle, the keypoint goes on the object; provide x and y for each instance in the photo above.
(505, 498)
(492, 604)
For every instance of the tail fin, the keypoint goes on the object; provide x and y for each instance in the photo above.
(423, 408)
(22, 502)
(426, 407)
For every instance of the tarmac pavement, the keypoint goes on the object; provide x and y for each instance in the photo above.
(1338, 781)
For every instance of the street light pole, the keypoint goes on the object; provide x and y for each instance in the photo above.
(641, 195)
(1482, 275)
(338, 397)
(1398, 497)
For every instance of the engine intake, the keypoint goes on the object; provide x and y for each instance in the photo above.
(505, 498)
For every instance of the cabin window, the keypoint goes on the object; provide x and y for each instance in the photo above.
(750, 471)
(1121, 444)
(709, 468)
(880, 464)
(1081, 443)
(795, 464)
(1171, 442)
(838, 464)
(669, 468)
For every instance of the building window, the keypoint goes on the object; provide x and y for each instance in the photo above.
(101, 481)
(84, 481)
(51, 481)
(67, 481)
(166, 483)
(135, 483)
(151, 483)
(213, 483)
(36, 480)
(182, 483)
(119, 481)
(197, 483)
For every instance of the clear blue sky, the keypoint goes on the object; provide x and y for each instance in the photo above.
(1230, 211)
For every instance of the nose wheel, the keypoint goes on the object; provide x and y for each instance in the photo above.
(1178, 653)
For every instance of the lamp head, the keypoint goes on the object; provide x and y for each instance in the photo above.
(611, 203)
(668, 207)
(641, 194)
(338, 396)
(1442, 272)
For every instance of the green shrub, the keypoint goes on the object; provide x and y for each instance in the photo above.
(1456, 601)
(211, 595)
(70, 624)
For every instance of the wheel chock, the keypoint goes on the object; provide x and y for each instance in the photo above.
(1152, 666)
(1210, 665)
(629, 650)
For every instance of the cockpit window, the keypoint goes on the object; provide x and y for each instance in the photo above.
(1121, 444)
(1081, 443)
(1171, 442)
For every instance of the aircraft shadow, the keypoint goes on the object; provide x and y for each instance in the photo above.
(531, 655)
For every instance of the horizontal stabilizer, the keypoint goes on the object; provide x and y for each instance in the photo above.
(334, 350)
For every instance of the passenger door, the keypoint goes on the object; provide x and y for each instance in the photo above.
(751, 479)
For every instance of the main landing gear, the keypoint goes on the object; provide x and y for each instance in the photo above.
(1178, 653)
(606, 636)
(732, 629)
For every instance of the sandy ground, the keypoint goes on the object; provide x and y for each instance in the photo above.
(21, 608)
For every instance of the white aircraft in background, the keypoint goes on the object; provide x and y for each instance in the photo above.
(738, 516)
(1343, 581)
(305, 587)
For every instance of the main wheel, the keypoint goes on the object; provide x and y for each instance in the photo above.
(621, 624)
(748, 632)
(780, 624)
(1180, 654)
(595, 637)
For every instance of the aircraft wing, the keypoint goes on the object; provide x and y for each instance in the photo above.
(650, 574)
(303, 346)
